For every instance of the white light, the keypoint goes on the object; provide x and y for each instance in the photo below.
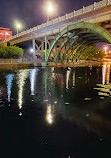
(18, 26)
(6, 33)
(22, 75)
(50, 8)
(49, 115)
(31, 50)
(33, 74)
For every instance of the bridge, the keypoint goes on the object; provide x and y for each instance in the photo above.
(73, 32)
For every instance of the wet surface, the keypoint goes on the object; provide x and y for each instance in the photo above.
(56, 112)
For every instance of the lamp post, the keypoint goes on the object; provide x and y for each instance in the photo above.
(18, 26)
(49, 9)
(105, 48)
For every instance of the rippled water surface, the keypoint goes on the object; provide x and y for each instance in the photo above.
(56, 112)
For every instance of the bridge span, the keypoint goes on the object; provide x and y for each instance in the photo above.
(74, 31)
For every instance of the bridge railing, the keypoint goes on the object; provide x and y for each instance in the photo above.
(16, 61)
(78, 12)
(73, 14)
(100, 4)
(88, 9)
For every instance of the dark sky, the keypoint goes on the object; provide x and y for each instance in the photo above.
(31, 13)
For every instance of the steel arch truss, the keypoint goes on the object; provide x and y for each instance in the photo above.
(76, 37)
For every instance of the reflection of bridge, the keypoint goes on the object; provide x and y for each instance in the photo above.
(72, 32)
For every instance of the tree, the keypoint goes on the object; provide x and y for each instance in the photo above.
(92, 53)
(11, 52)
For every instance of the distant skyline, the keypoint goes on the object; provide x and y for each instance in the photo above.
(31, 13)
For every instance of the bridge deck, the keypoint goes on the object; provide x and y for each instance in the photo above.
(95, 13)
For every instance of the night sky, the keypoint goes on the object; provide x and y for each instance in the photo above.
(31, 12)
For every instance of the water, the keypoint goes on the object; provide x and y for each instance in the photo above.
(56, 112)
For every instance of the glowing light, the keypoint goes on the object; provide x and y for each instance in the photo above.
(9, 79)
(22, 75)
(33, 74)
(18, 25)
(67, 79)
(103, 74)
(31, 50)
(105, 48)
(73, 79)
(49, 7)
(49, 115)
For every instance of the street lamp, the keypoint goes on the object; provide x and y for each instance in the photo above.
(18, 26)
(31, 50)
(105, 48)
(50, 9)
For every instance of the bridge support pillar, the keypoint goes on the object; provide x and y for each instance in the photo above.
(34, 57)
(45, 47)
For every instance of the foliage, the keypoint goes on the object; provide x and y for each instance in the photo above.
(92, 53)
(11, 52)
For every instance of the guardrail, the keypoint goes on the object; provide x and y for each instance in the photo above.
(76, 13)
(16, 61)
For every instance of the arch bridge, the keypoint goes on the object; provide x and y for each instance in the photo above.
(71, 33)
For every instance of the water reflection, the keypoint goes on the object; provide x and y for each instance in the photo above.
(65, 98)
(33, 74)
(21, 77)
(67, 78)
(9, 79)
(73, 78)
(49, 114)
(106, 73)
(105, 87)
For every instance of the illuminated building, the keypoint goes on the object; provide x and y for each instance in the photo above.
(5, 33)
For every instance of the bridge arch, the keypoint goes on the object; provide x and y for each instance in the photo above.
(100, 32)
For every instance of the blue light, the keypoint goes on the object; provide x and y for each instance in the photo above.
(9, 79)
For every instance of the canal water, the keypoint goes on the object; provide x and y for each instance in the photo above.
(56, 112)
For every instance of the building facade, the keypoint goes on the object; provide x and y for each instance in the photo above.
(5, 33)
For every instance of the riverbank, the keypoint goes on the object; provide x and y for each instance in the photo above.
(24, 64)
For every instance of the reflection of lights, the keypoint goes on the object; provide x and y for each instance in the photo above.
(103, 74)
(21, 81)
(9, 79)
(87, 115)
(32, 79)
(49, 115)
(20, 114)
(106, 73)
(67, 79)
(73, 79)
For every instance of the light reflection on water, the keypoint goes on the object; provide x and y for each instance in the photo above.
(9, 79)
(33, 74)
(21, 76)
(66, 99)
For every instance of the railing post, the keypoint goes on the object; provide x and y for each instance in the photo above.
(83, 9)
(107, 2)
(34, 57)
(74, 13)
(94, 5)
(66, 16)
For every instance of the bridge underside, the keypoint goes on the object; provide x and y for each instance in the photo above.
(74, 39)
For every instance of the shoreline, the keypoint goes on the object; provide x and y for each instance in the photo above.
(50, 64)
